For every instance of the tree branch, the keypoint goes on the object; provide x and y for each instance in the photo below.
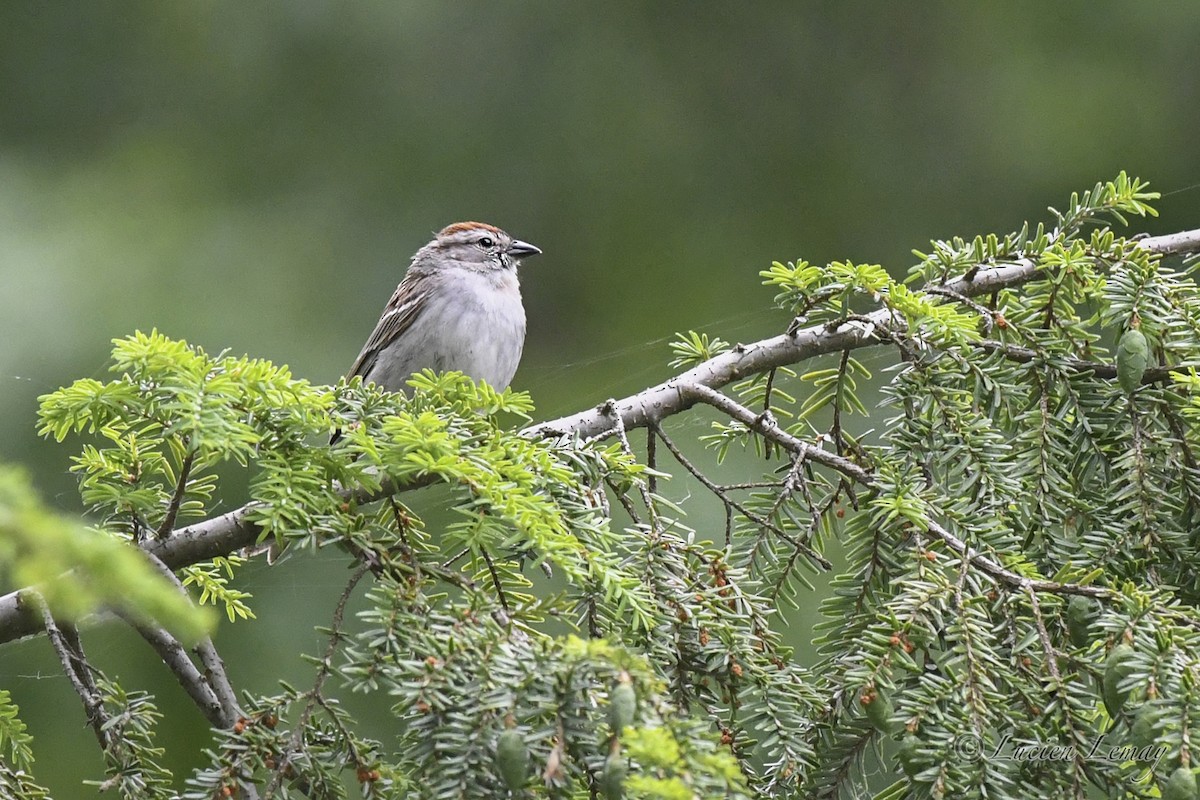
(731, 502)
(233, 531)
(203, 541)
(176, 658)
(766, 425)
(1172, 243)
(763, 424)
(990, 567)
(215, 676)
(673, 396)
(70, 655)
(185, 471)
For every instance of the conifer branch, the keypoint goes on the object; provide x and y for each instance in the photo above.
(732, 503)
(1025, 355)
(1007, 576)
(235, 530)
(678, 394)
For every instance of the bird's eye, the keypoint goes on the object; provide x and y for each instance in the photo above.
(486, 242)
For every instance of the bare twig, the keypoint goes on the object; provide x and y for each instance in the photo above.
(652, 461)
(323, 673)
(737, 487)
(499, 587)
(185, 471)
(1043, 634)
(441, 572)
(626, 503)
(78, 672)
(647, 499)
(732, 503)
(985, 313)
(796, 480)
(449, 562)
(402, 524)
(70, 635)
(769, 449)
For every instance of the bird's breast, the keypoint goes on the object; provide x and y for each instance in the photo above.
(476, 325)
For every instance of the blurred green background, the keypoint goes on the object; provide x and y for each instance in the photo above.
(255, 177)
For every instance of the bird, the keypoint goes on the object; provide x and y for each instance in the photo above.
(457, 308)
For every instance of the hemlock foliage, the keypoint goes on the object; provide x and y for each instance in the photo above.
(1018, 568)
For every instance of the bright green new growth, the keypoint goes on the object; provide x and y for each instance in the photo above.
(76, 571)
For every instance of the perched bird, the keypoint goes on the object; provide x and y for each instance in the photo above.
(458, 308)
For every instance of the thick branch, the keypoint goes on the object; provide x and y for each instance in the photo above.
(218, 536)
(1173, 243)
(203, 541)
(673, 396)
(233, 531)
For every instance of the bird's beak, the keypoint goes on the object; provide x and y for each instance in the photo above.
(519, 249)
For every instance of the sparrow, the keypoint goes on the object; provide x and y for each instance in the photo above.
(457, 308)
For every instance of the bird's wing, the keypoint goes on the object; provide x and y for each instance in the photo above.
(398, 316)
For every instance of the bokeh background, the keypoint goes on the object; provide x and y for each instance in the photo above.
(255, 177)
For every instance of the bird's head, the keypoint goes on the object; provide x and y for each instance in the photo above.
(476, 245)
